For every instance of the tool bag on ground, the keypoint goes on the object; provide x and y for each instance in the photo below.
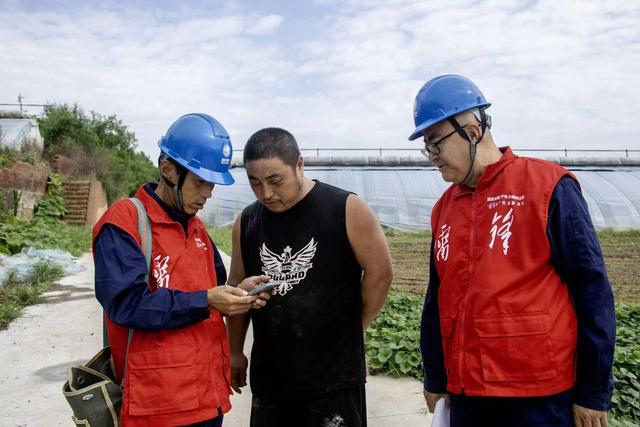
(91, 389)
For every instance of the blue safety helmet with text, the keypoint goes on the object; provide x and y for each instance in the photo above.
(444, 97)
(201, 145)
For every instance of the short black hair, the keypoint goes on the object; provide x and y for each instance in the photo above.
(268, 143)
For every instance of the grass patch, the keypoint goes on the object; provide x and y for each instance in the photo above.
(221, 236)
(15, 295)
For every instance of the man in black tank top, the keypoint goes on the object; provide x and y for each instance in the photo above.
(326, 245)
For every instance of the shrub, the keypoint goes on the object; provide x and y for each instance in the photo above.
(52, 204)
(96, 146)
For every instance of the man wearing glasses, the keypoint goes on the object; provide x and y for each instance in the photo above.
(518, 326)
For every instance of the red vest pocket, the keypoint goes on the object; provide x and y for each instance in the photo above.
(515, 347)
(161, 381)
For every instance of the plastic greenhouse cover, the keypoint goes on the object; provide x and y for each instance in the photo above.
(402, 197)
(22, 263)
(14, 133)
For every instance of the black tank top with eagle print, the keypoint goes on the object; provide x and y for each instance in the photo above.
(308, 340)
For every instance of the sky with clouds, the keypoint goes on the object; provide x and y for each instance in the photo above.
(336, 73)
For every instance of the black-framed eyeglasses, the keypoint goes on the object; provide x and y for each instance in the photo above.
(432, 148)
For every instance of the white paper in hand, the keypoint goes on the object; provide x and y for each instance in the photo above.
(441, 414)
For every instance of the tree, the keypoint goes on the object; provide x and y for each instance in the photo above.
(96, 146)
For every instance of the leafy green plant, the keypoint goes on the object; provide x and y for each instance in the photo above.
(46, 230)
(42, 233)
(393, 340)
(626, 367)
(52, 204)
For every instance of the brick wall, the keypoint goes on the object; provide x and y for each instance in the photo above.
(30, 180)
(23, 176)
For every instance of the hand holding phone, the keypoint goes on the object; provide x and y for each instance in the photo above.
(266, 287)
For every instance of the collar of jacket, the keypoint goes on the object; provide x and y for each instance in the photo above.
(156, 212)
(489, 174)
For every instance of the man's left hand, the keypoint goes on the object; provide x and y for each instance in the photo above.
(585, 417)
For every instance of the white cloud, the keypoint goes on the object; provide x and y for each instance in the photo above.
(266, 25)
(145, 71)
(558, 73)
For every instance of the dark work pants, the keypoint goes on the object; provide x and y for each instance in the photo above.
(342, 408)
(546, 411)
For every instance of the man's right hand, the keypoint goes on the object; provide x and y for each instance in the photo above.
(432, 399)
(229, 300)
(239, 364)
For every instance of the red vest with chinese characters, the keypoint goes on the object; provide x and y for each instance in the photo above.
(174, 376)
(508, 324)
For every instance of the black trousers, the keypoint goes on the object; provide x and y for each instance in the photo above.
(342, 408)
(546, 411)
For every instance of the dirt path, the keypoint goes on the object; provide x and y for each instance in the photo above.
(37, 349)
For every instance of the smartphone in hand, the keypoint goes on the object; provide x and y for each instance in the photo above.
(266, 287)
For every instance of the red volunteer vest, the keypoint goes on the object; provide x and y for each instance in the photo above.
(174, 376)
(508, 324)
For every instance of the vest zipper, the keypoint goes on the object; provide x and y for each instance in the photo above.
(466, 297)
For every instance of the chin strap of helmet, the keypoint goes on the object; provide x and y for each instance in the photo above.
(177, 188)
(485, 122)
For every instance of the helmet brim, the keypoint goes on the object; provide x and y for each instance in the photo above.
(417, 132)
(212, 177)
(218, 178)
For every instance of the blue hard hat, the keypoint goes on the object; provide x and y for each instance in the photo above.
(443, 97)
(200, 144)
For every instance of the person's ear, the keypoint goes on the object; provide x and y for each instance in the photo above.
(168, 170)
(300, 164)
(474, 131)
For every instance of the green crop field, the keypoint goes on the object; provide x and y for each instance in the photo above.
(410, 253)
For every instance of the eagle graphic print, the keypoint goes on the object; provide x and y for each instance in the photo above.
(290, 269)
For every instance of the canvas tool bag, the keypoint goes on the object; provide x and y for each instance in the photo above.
(91, 389)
